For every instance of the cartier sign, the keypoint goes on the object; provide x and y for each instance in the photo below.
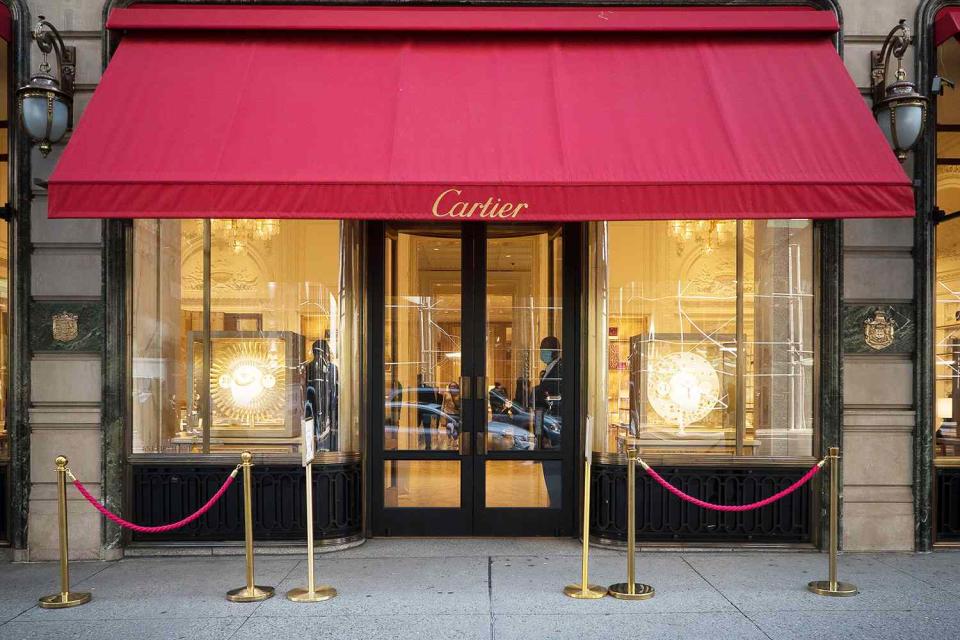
(450, 204)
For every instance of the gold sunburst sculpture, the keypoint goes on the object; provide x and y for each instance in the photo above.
(683, 388)
(247, 381)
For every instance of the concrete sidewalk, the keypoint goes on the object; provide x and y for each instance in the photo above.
(507, 589)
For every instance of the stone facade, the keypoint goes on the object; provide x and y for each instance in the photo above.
(66, 267)
(878, 403)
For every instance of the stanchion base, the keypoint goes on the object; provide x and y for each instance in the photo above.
(592, 592)
(64, 600)
(319, 594)
(244, 594)
(620, 591)
(822, 588)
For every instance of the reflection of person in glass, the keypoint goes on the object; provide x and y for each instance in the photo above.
(451, 410)
(322, 397)
(548, 391)
(547, 396)
(426, 399)
(499, 404)
(394, 396)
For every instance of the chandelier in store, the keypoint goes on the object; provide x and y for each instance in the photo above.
(239, 233)
(708, 235)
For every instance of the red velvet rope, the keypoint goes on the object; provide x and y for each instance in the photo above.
(736, 508)
(162, 528)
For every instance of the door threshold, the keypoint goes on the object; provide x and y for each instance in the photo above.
(704, 547)
(235, 548)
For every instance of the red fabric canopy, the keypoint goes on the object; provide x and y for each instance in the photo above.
(536, 19)
(946, 25)
(6, 23)
(424, 124)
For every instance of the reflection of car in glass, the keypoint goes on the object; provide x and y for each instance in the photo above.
(440, 421)
(414, 394)
(501, 435)
(522, 418)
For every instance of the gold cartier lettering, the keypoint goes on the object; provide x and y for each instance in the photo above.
(449, 205)
(436, 203)
(459, 210)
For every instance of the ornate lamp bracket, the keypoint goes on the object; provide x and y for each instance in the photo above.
(895, 44)
(48, 40)
(900, 110)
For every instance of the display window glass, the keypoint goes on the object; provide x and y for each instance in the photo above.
(946, 290)
(947, 336)
(948, 130)
(244, 336)
(705, 342)
(4, 338)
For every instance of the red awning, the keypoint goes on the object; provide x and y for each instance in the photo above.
(6, 23)
(946, 25)
(744, 113)
(460, 19)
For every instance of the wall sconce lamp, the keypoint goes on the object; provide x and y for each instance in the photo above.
(45, 103)
(899, 108)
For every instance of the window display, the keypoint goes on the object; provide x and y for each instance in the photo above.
(703, 336)
(947, 318)
(946, 289)
(4, 338)
(239, 331)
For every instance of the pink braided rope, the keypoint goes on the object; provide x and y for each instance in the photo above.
(735, 508)
(166, 527)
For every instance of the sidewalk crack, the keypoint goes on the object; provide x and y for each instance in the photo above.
(724, 596)
(906, 573)
(260, 604)
(36, 605)
(490, 594)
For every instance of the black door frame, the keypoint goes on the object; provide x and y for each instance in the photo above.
(472, 518)
(929, 478)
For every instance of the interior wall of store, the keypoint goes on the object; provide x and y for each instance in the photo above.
(67, 394)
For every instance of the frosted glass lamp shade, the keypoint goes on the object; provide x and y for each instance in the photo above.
(901, 115)
(44, 111)
(904, 120)
(35, 117)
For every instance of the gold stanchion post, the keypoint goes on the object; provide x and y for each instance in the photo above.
(832, 587)
(251, 592)
(631, 590)
(585, 590)
(65, 598)
(312, 593)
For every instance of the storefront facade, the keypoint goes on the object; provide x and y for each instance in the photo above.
(445, 363)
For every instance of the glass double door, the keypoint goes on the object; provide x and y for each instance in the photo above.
(471, 439)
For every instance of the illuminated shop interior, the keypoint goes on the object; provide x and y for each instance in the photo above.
(706, 346)
(231, 321)
(946, 289)
(423, 354)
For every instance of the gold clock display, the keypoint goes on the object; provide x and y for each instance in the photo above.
(247, 381)
(682, 388)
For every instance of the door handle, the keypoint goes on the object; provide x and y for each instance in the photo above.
(466, 388)
(481, 442)
(464, 444)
